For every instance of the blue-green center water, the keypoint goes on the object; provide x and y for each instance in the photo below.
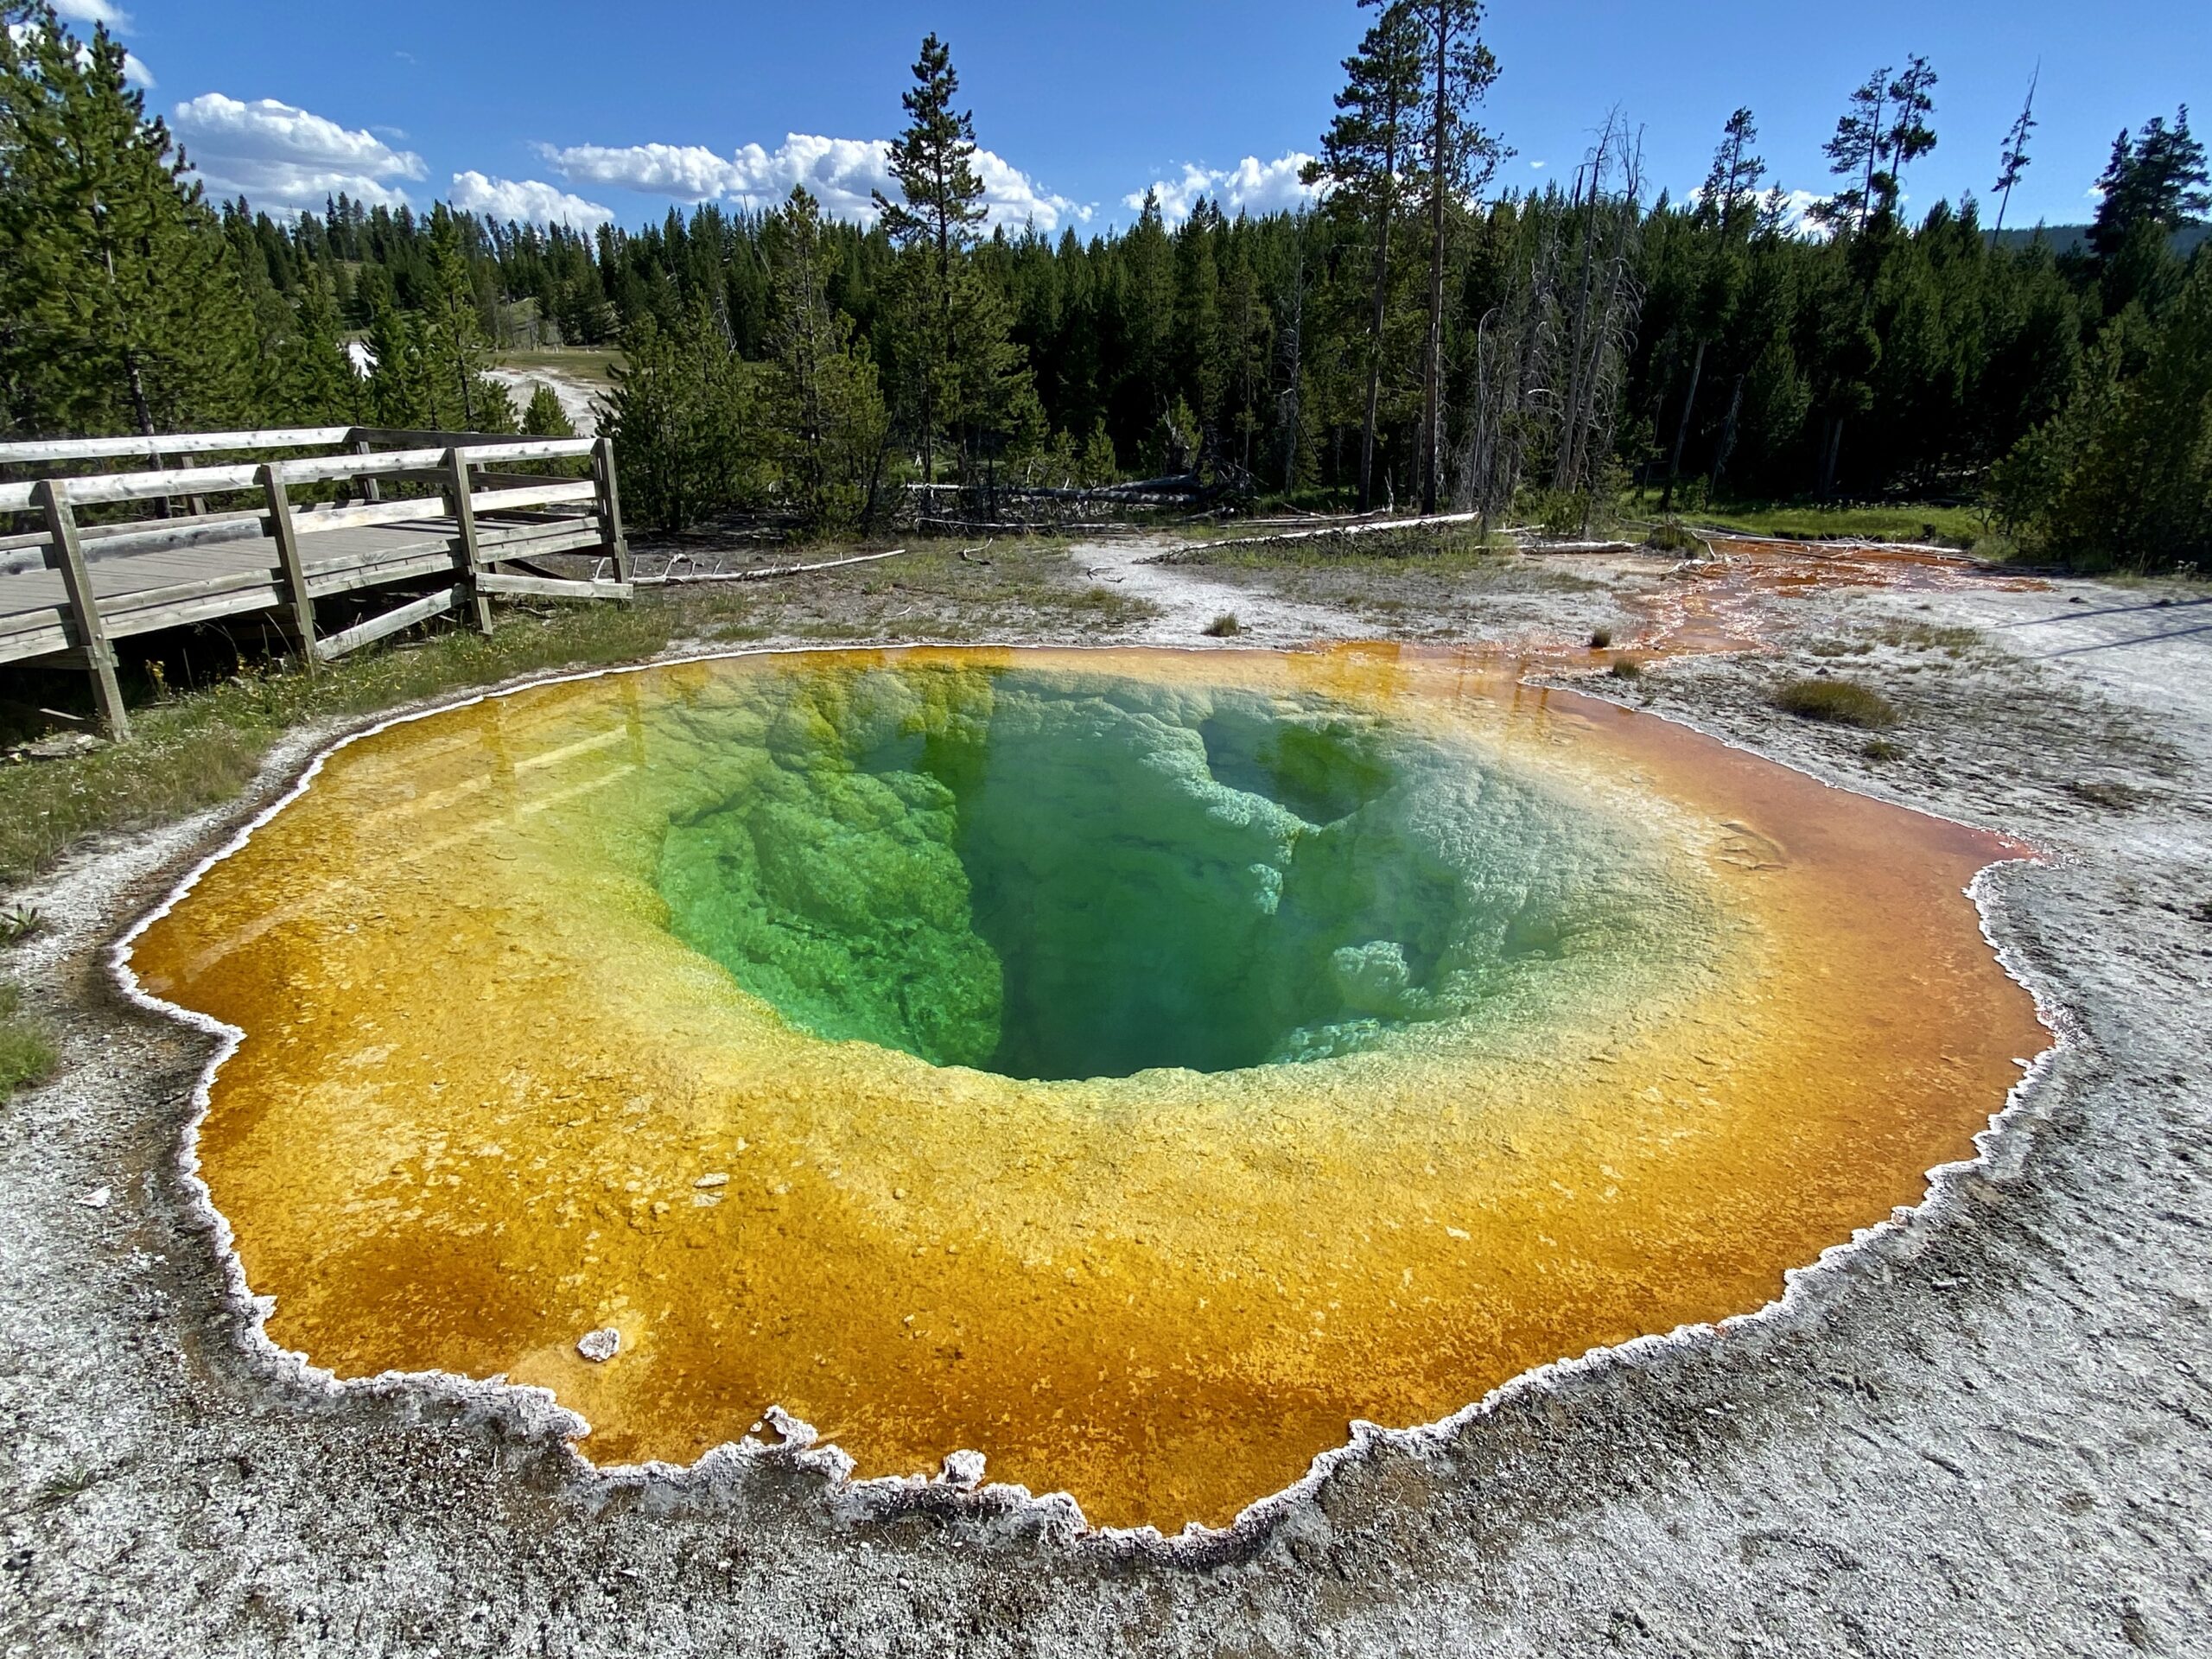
(1054, 878)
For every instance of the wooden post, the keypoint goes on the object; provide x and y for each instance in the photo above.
(371, 492)
(52, 497)
(610, 510)
(479, 608)
(288, 555)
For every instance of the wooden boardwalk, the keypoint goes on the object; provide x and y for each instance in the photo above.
(234, 541)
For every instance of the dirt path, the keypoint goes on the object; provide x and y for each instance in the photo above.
(1982, 1433)
(1189, 601)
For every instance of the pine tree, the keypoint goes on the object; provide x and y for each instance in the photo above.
(2156, 181)
(2012, 160)
(934, 224)
(545, 417)
(119, 307)
(1728, 203)
(1364, 160)
(820, 407)
(317, 384)
(454, 351)
(1909, 137)
(682, 421)
(1855, 153)
(1456, 158)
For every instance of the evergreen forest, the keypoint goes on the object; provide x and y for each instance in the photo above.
(1417, 338)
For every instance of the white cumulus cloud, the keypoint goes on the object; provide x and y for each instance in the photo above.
(280, 157)
(1251, 187)
(840, 172)
(92, 11)
(95, 11)
(527, 199)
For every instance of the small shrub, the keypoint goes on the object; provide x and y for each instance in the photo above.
(2113, 797)
(1881, 748)
(1600, 638)
(1667, 535)
(1627, 668)
(1223, 626)
(20, 923)
(27, 1050)
(1837, 702)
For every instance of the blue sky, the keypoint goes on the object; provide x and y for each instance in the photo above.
(581, 111)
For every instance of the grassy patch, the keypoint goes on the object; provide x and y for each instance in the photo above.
(2104, 793)
(1837, 702)
(1880, 749)
(1959, 527)
(27, 1049)
(1223, 626)
(1461, 558)
(1600, 638)
(592, 364)
(1627, 668)
(1667, 535)
(1926, 636)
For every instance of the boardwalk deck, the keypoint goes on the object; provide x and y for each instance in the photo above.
(68, 591)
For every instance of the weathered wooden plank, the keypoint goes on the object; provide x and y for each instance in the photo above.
(429, 512)
(31, 451)
(405, 616)
(211, 480)
(461, 499)
(528, 449)
(610, 505)
(416, 437)
(437, 562)
(544, 495)
(528, 541)
(169, 535)
(118, 606)
(496, 582)
(48, 637)
(287, 536)
(84, 609)
(185, 612)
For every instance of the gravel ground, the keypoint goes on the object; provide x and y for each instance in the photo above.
(1984, 1431)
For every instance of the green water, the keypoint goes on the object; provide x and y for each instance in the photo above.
(1049, 877)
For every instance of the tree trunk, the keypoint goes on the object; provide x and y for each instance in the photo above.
(1682, 431)
(1727, 444)
(1432, 367)
(1830, 460)
(1383, 215)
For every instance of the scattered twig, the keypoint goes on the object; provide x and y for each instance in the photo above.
(671, 579)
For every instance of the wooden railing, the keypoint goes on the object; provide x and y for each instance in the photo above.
(484, 516)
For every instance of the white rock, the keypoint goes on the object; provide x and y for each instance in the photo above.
(97, 1198)
(964, 1469)
(712, 1180)
(600, 1346)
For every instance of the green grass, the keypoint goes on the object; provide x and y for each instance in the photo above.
(1223, 626)
(1837, 703)
(595, 365)
(201, 748)
(27, 1049)
(1460, 556)
(1955, 526)
(1626, 668)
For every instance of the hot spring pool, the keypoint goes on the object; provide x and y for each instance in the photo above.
(1131, 1065)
